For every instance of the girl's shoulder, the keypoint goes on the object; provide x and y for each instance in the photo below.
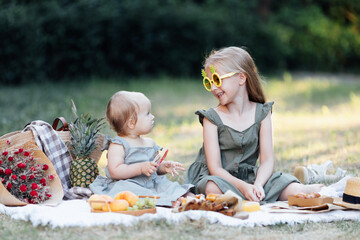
(263, 110)
(210, 114)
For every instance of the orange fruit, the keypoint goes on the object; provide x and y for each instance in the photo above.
(130, 197)
(118, 205)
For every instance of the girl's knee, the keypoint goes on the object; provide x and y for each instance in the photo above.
(211, 187)
(291, 189)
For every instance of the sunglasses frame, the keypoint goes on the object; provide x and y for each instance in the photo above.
(211, 81)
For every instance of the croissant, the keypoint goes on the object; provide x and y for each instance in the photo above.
(307, 195)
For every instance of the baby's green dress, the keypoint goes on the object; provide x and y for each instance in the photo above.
(154, 185)
(239, 155)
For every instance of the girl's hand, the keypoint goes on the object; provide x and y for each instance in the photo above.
(148, 168)
(260, 193)
(171, 167)
(250, 192)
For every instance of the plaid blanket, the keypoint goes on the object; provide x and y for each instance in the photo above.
(55, 149)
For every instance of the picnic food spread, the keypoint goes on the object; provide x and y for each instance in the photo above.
(124, 202)
(228, 204)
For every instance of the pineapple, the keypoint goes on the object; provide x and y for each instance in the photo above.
(83, 134)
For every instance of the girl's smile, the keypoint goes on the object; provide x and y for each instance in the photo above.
(218, 94)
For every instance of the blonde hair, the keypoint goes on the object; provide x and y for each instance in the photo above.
(121, 107)
(235, 59)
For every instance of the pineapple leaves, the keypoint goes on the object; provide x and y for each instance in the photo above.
(83, 133)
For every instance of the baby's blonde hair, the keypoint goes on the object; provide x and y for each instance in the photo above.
(122, 107)
(235, 59)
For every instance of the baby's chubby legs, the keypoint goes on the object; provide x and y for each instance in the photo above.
(295, 188)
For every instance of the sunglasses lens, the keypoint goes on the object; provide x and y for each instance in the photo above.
(207, 84)
(216, 80)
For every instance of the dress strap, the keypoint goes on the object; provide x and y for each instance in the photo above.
(117, 140)
(211, 115)
(262, 110)
(157, 147)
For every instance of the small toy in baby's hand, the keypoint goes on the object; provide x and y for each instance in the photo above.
(161, 156)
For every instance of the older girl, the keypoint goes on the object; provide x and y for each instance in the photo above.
(237, 134)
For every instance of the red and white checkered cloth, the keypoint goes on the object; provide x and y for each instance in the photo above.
(55, 149)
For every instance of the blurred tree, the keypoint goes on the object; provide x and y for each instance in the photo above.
(63, 39)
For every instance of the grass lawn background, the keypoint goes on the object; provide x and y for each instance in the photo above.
(315, 118)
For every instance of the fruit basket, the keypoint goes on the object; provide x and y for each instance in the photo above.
(144, 205)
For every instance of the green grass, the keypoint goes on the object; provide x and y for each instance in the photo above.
(315, 119)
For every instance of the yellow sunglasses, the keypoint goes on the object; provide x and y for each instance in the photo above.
(216, 79)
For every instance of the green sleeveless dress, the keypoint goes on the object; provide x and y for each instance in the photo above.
(239, 155)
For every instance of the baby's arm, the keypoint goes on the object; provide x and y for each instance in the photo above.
(119, 170)
(213, 158)
(266, 166)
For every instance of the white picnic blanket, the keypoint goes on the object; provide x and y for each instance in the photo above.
(71, 213)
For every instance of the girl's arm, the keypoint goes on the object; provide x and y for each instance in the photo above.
(266, 166)
(213, 159)
(119, 170)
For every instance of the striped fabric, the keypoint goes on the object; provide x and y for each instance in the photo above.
(55, 149)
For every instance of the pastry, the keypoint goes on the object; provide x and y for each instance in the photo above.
(307, 195)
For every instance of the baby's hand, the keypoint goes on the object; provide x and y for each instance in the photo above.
(148, 168)
(171, 167)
